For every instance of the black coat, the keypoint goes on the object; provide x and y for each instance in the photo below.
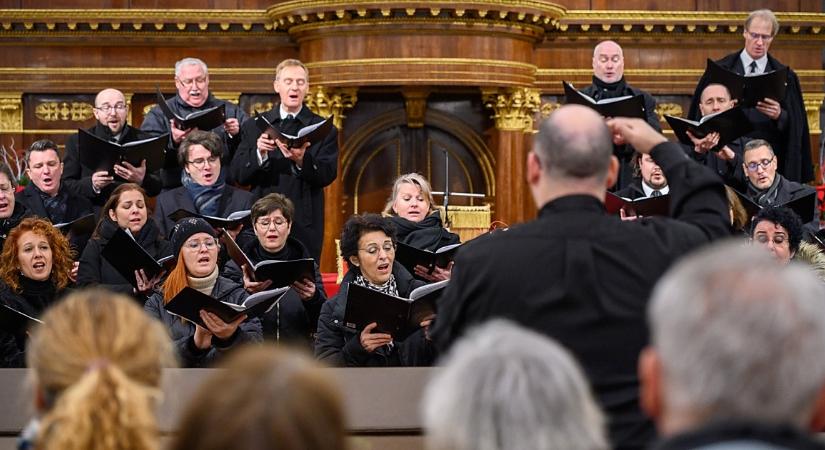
(731, 171)
(232, 200)
(34, 298)
(183, 332)
(292, 321)
(740, 436)
(633, 190)
(19, 213)
(584, 277)
(76, 207)
(338, 345)
(155, 123)
(304, 187)
(788, 135)
(598, 91)
(787, 191)
(96, 270)
(429, 234)
(78, 178)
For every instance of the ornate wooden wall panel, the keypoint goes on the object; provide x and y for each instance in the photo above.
(492, 66)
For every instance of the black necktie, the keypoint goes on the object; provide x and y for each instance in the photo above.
(753, 67)
(656, 194)
(290, 116)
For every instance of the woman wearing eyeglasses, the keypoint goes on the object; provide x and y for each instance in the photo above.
(295, 317)
(204, 189)
(368, 246)
(11, 212)
(196, 246)
(126, 210)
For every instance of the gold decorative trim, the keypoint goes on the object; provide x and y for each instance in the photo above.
(128, 98)
(62, 111)
(813, 104)
(11, 112)
(419, 61)
(326, 102)
(415, 105)
(232, 97)
(513, 108)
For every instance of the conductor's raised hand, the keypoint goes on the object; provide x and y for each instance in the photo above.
(635, 132)
(371, 341)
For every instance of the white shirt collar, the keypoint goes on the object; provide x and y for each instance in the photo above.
(761, 63)
(284, 113)
(649, 190)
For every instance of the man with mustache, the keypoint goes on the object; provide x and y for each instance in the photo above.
(110, 111)
(609, 82)
(192, 82)
(784, 123)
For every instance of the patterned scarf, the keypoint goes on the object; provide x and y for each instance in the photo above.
(206, 198)
(766, 197)
(55, 206)
(390, 287)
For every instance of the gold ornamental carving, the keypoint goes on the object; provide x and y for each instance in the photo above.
(548, 108)
(231, 97)
(64, 111)
(11, 112)
(813, 103)
(513, 108)
(326, 101)
(415, 105)
(260, 107)
(128, 97)
(670, 109)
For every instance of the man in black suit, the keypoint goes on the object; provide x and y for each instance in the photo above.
(649, 180)
(578, 274)
(110, 112)
(45, 196)
(609, 82)
(784, 124)
(192, 83)
(298, 173)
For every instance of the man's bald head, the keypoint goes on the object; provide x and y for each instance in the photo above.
(608, 62)
(110, 109)
(109, 94)
(574, 142)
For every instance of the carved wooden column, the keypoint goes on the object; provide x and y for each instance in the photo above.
(513, 112)
(325, 102)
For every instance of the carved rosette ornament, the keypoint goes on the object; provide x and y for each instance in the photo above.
(329, 101)
(11, 112)
(513, 108)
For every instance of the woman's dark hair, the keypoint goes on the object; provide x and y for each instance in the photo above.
(270, 203)
(5, 169)
(359, 225)
(114, 200)
(784, 217)
(207, 139)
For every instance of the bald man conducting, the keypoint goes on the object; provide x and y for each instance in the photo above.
(110, 111)
(578, 274)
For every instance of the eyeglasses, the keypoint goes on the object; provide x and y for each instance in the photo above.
(200, 163)
(764, 164)
(106, 108)
(757, 36)
(778, 239)
(195, 245)
(191, 81)
(265, 222)
(373, 250)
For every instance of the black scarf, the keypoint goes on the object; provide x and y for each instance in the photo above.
(37, 294)
(427, 234)
(56, 206)
(766, 197)
(608, 90)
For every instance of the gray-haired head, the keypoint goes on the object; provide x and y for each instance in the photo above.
(574, 142)
(765, 14)
(505, 387)
(739, 337)
(190, 62)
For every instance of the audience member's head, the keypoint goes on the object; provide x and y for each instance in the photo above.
(759, 163)
(735, 337)
(272, 221)
(778, 230)
(411, 198)
(192, 81)
(96, 368)
(265, 398)
(35, 249)
(200, 156)
(573, 152)
(608, 62)
(43, 166)
(505, 387)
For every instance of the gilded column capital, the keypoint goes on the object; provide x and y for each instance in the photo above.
(331, 101)
(128, 97)
(11, 112)
(513, 108)
(813, 102)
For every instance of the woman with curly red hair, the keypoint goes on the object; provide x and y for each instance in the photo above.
(34, 271)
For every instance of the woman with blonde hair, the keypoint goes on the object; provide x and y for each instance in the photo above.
(234, 409)
(34, 272)
(417, 222)
(96, 369)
